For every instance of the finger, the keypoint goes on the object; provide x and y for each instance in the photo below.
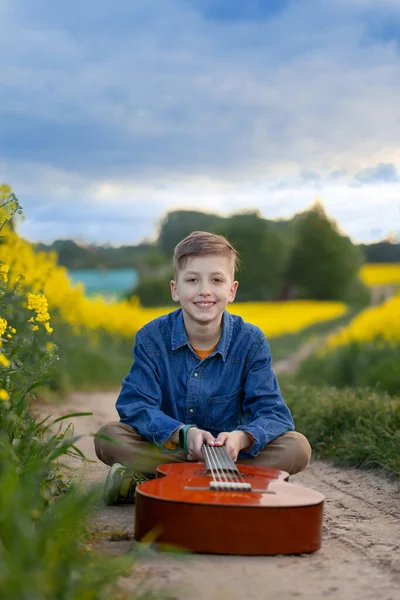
(221, 439)
(197, 448)
(208, 438)
(195, 444)
(231, 450)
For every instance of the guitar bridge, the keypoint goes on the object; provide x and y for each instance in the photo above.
(242, 486)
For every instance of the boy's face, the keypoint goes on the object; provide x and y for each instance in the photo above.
(204, 287)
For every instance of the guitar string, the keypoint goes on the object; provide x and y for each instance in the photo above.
(219, 468)
(215, 450)
(206, 456)
(212, 458)
(210, 464)
(205, 447)
(234, 475)
(219, 452)
(215, 454)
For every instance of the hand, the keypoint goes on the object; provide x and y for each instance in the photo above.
(234, 441)
(195, 438)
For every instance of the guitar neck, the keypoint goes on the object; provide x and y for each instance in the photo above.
(217, 458)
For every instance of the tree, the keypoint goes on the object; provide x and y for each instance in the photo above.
(324, 264)
(180, 223)
(263, 254)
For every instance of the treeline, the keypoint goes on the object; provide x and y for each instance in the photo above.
(74, 255)
(381, 252)
(304, 257)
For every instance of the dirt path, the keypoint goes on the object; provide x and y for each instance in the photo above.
(360, 557)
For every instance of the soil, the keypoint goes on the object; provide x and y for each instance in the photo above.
(359, 558)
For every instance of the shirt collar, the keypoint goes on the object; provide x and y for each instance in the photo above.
(179, 337)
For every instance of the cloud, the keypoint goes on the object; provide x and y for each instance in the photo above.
(309, 175)
(192, 103)
(382, 173)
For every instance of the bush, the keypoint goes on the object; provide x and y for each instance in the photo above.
(357, 427)
(88, 361)
(154, 291)
(374, 364)
(44, 550)
(44, 543)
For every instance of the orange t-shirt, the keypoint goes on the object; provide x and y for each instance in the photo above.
(202, 354)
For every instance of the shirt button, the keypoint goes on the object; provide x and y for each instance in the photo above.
(196, 374)
(190, 410)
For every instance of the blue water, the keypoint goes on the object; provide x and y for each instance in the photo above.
(111, 283)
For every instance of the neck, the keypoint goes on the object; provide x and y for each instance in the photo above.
(202, 337)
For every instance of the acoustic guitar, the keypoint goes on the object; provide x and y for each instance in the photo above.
(220, 507)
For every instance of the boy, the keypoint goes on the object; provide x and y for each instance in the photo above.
(200, 376)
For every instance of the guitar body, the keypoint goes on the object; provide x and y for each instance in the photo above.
(275, 517)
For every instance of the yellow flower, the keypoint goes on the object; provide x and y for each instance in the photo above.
(48, 328)
(3, 326)
(41, 272)
(13, 330)
(4, 395)
(37, 302)
(35, 328)
(380, 273)
(42, 317)
(4, 272)
(380, 323)
(5, 190)
(4, 362)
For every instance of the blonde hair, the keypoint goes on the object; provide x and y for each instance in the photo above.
(201, 243)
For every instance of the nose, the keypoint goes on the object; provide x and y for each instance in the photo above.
(204, 289)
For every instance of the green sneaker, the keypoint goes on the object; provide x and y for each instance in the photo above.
(121, 484)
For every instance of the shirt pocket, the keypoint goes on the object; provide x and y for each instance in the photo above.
(223, 411)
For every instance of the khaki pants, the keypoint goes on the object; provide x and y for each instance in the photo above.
(289, 452)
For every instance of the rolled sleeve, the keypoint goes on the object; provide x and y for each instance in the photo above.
(139, 402)
(263, 406)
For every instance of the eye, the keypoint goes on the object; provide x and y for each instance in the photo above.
(191, 280)
(218, 280)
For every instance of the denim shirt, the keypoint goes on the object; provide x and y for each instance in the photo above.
(233, 388)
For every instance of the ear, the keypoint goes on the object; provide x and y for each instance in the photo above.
(174, 291)
(232, 291)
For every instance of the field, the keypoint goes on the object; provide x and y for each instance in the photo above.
(380, 274)
(366, 352)
(123, 319)
(54, 338)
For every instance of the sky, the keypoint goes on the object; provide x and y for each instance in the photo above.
(115, 112)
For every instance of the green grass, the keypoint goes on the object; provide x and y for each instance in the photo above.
(354, 427)
(87, 363)
(375, 365)
(45, 548)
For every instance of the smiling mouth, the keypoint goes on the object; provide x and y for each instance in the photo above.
(204, 304)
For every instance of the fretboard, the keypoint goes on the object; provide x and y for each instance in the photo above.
(217, 458)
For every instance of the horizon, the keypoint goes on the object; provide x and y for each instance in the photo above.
(84, 243)
(115, 114)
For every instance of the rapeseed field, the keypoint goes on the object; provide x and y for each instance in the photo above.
(43, 275)
(380, 274)
(376, 323)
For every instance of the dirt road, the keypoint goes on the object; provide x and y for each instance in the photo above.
(360, 556)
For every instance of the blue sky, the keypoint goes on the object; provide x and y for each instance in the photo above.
(115, 112)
